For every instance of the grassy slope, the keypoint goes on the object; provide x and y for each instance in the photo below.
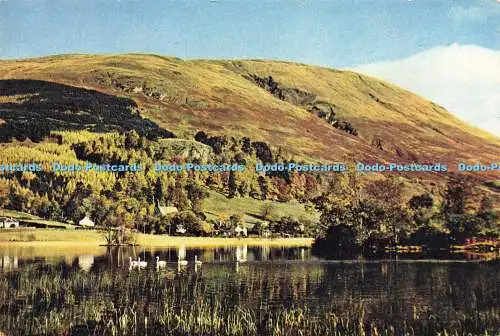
(214, 96)
(251, 209)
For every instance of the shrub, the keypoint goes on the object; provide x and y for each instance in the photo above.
(188, 221)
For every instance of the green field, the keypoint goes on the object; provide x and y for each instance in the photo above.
(251, 209)
(214, 206)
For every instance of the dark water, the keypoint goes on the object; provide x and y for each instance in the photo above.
(389, 289)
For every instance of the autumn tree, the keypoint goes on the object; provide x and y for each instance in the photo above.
(457, 195)
(488, 212)
(196, 194)
(267, 210)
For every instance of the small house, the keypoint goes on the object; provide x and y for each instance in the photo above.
(6, 223)
(180, 229)
(86, 221)
(240, 231)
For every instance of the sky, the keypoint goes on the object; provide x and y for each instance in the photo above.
(389, 39)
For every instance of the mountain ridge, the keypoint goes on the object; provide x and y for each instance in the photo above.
(290, 105)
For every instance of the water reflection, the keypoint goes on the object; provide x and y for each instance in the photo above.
(409, 289)
(119, 257)
(8, 262)
(234, 256)
(85, 261)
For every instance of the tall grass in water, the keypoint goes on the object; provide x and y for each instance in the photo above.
(57, 300)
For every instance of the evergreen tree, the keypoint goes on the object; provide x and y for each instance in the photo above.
(232, 187)
(159, 193)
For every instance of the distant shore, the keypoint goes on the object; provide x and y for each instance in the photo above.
(38, 237)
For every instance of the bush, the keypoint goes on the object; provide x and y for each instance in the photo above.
(339, 239)
(188, 221)
(431, 237)
(464, 226)
(206, 228)
(422, 201)
(287, 225)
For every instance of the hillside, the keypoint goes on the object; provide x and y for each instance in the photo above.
(315, 113)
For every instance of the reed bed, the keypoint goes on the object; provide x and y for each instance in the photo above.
(60, 300)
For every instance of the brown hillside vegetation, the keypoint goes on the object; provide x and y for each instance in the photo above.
(314, 112)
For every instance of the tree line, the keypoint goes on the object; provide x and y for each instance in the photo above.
(356, 213)
(359, 216)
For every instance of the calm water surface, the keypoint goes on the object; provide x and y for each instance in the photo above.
(390, 288)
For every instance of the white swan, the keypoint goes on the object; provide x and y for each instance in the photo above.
(160, 263)
(142, 264)
(133, 263)
(181, 262)
(136, 263)
(240, 259)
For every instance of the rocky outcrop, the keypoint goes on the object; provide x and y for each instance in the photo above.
(187, 150)
(377, 143)
(291, 95)
(158, 90)
(322, 109)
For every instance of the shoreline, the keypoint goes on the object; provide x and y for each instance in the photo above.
(159, 241)
(91, 238)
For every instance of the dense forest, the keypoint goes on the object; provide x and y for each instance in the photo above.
(132, 197)
(33, 108)
(357, 212)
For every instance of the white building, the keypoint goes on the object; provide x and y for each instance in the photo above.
(240, 231)
(6, 223)
(86, 221)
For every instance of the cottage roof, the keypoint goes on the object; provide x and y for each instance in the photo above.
(165, 210)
